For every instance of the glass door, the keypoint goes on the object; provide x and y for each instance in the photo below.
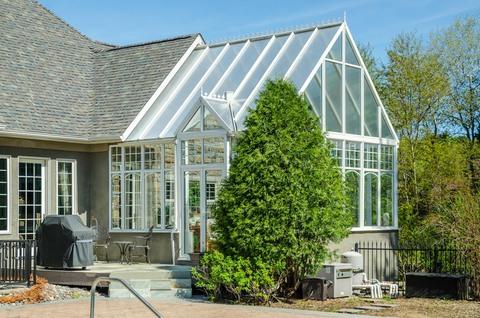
(31, 197)
(200, 191)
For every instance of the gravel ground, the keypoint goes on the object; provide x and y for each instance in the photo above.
(47, 293)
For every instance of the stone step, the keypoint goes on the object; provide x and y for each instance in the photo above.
(156, 294)
(385, 305)
(174, 274)
(155, 284)
(373, 308)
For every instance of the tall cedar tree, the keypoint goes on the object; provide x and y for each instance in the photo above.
(284, 199)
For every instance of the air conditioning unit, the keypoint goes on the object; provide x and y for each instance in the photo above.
(340, 274)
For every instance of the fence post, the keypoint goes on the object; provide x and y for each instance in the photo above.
(356, 247)
(435, 260)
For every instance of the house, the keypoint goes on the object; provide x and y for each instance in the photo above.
(141, 135)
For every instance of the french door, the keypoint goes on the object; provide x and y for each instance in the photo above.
(31, 196)
(199, 192)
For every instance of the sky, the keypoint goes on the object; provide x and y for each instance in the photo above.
(374, 22)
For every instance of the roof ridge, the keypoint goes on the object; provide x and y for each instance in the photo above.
(260, 35)
(66, 23)
(126, 46)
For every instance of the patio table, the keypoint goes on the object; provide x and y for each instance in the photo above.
(123, 247)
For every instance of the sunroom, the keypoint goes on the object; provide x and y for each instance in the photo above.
(168, 170)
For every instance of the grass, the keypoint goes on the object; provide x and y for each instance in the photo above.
(407, 307)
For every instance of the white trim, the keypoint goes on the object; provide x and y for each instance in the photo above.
(373, 229)
(51, 137)
(198, 40)
(74, 183)
(265, 75)
(195, 90)
(358, 138)
(9, 196)
(321, 60)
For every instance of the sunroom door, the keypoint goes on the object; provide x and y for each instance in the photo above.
(200, 190)
(31, 196)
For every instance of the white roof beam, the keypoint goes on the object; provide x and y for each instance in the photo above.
(196, 89)
(159, 113)
(320, 61)
(304, 49)
(230, 68)
(160, 89)
(254, 66)
(265, 75)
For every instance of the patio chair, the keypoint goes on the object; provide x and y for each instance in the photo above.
(376, 287)
(102, 244)
(140, 246)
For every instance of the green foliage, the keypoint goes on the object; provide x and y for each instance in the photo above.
(238, 279)
(284, 199)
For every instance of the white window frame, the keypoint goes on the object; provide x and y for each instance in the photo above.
(9, 199)
(74, 184)
(143, 172)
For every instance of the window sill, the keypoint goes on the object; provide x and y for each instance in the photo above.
(374, 229)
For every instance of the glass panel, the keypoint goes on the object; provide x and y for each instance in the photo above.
(352, 154)
(371, 111)
(169, 155)
(370, 199)
(213, 179)
(350, 56)
(336, 51)
(116, 157)
(353, 78)
(261, 68)
(352, 181)
(312, 55)
(133, 202)
(370, 156)
(133, 158)
(314, 93)
(210, 121)
(3, 195)
(152, 157)
(333, 98)
(221, 67)
(169, 199)
(153, 183)
(242, 67)
(192, 222)
(30, 199)
(337, 151)
(289, 55)
(386, 132)
(386, 197)
(65, 188)
(192, 151)
(386, 159)
(195, 124)
(214, 149)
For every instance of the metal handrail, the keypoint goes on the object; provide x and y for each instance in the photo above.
(124, 283)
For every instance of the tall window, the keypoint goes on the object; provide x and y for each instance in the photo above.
(142, 186)
(65, 187)
(3, 194)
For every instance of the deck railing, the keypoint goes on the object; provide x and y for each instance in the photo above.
(390, 263)
(18, 262)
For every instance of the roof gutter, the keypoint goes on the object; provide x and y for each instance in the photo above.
(49, 137)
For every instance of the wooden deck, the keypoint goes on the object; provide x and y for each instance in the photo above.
(79, 277)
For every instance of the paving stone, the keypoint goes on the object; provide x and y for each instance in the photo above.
(369, 308)
(385, 305)
(350, 311)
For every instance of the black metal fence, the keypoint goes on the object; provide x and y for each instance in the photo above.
(388, 263)
(17, 262)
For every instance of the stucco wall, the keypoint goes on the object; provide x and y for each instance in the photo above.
(390, 237)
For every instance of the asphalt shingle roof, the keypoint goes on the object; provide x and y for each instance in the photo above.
(56, 81)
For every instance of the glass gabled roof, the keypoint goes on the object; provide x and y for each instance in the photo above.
(235, 69)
